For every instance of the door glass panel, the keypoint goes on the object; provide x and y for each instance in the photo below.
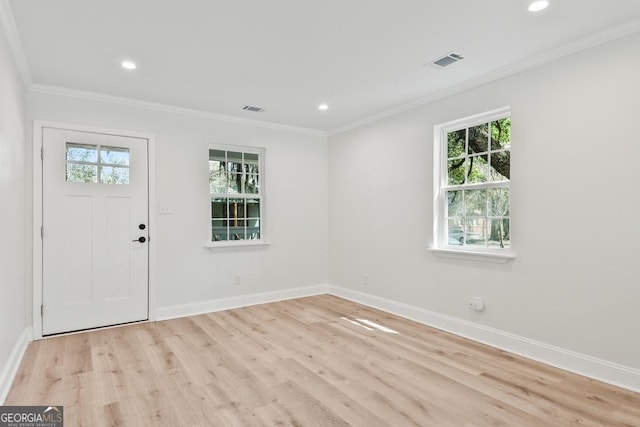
(114, 175)
(96, 164)
(81, 152)
(82, 173)
(114, 156)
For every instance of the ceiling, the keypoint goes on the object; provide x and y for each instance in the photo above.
(364, 58)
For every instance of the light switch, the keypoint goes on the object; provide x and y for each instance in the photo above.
(164, 208)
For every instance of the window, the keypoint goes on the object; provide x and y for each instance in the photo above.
(96, 163)
(472, 183)
(236, 195)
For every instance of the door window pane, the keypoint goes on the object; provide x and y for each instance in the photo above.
(114, 175)
(81, 152)
(82, 173)
(96, 164)
(114, 156)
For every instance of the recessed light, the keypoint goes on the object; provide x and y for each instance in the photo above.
(129, 65)
(323, 107)
(537, 6)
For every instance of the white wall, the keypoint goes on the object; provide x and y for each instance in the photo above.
(296, 200)
(13, 215)
(575, 204)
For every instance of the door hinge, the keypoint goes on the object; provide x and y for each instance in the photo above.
(42, 232)
(41, 153)
(42, 310)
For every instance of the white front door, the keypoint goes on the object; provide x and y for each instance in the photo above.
(95, 261)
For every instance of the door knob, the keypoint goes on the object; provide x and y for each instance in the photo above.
(140, 239)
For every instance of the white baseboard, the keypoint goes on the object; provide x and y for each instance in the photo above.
(13, 363)
(172, 312)
(588, 366)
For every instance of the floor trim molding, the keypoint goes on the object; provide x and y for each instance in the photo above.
(13, 363)
(588, 366)
(192, 309)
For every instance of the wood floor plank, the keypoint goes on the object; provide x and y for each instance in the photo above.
(316, 361)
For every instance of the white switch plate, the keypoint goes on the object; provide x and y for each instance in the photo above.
(164, 208)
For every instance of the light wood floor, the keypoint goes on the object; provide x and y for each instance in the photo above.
(305, 363)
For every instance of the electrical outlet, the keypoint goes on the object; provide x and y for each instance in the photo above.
(236, 280)
(476, 304)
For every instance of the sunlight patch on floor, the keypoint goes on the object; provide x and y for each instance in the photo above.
(369, 325)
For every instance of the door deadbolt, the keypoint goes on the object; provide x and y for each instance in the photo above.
(142, 226)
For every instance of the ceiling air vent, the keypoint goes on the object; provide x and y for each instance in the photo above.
(253, 109)
(447, 60)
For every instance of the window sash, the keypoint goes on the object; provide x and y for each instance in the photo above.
(442, 187)
(247, 226)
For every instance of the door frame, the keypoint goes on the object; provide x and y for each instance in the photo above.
(38, 126)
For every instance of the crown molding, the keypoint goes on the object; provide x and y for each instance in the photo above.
(130, 102)
(533, 61)
(15, 45)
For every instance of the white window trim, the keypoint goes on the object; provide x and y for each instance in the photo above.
(240, 244)
(439, 200)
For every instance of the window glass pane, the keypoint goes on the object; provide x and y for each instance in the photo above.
(475, 202)
(217, 155)
(114, 175)
(81, 153)
(217, 177)
(475, 232)
(81, 173)
(218, 230)
(500, 169)
(478, 139)
(237, 232)
(455, 206)
(253, 229)
(499, 233)
(218, 208)
(252, 184)
(114, 156)
(251, 162)
(234, 185)
(498, 199)
(455, 172)
(234, 161)
(455, 143)
(478, 169)
(236, 210)
(501, 134)
(455, 231)
(253, 208)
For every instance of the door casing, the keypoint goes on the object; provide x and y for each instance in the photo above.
(38, 126)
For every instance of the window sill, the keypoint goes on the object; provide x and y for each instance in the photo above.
(241, 244)
(491, 257)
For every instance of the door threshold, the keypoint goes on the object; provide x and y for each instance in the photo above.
(97, 328)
